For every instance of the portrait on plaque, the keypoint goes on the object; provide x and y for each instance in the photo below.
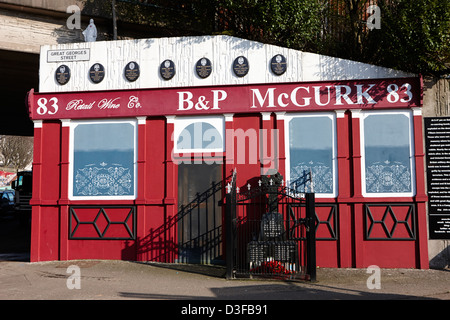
(240, 66)
(97, 73)
(132, 71)
(203, 68)
(167, 69)
(278, 64)
(62, 74)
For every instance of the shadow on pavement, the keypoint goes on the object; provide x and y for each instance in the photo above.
(215, 271)
(15, 239)
(279, 292)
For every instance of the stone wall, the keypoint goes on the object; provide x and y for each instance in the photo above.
(436, 103)
(436, 97)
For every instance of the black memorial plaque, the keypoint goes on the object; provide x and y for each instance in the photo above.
(240, 66)
(167, 69)
(62, 74)
(278, 64)
(258, 251)
(97, 73)
(132, 71)
(203, 68)
(437, 143)
(272, 226)
(285, 251)
(262, 251)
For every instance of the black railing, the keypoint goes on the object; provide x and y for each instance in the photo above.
(270, 231)
(199, 226)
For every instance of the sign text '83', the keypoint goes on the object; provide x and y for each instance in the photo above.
(47, 106)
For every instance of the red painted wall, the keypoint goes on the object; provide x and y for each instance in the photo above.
(46, 184)
(156, 203)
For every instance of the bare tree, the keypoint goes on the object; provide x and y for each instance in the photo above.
(17, 151)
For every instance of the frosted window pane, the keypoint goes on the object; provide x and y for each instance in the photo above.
(199, 136)
(311, 148)
(387, 153)
(103, 159)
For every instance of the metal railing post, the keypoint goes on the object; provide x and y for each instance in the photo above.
(310, 236)
(229, 238)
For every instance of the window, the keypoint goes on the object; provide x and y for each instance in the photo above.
(312, 148)
(103, 160)
(387, 153)
(19, 181)
(199, 134)
(8, 196)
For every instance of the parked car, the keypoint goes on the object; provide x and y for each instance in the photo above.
(6, 201)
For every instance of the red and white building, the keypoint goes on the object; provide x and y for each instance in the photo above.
(119, 147)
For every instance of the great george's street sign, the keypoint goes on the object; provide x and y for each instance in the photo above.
(275, 97)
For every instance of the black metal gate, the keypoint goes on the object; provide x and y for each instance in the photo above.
(199, 219)
(270, 231)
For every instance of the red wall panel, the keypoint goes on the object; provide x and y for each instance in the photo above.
(156, 203)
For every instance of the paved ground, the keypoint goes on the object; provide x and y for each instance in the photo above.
(122, 280)
(183, 288)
